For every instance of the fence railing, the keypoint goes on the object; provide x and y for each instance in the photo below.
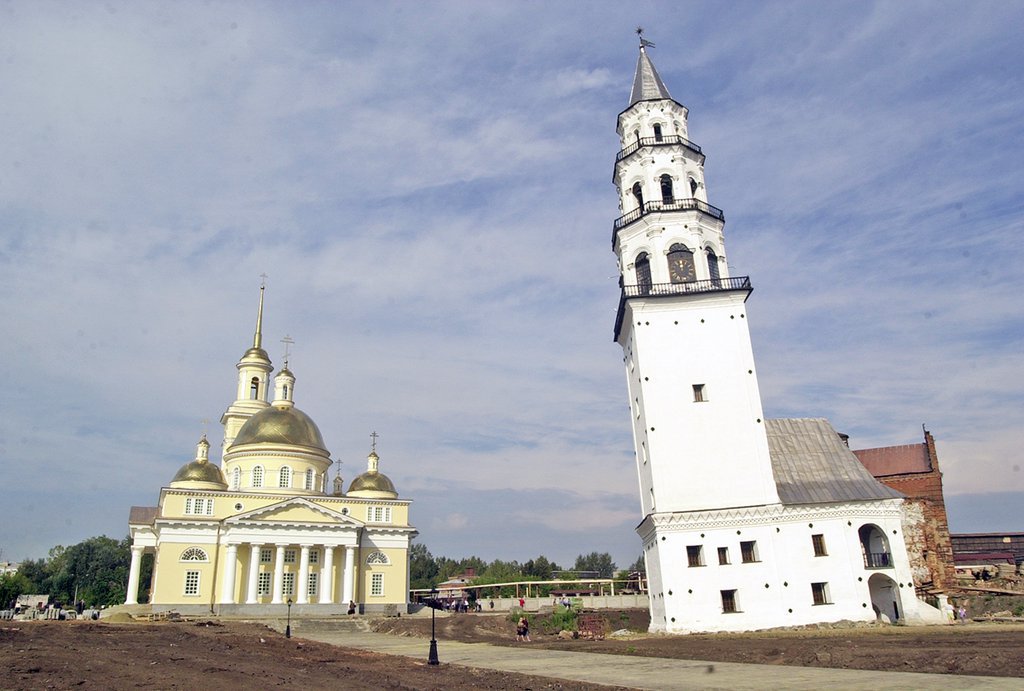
(662, 205)
(664, 140)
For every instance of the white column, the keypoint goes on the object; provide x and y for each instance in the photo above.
(133, 576)
(278, 576)
(303, 594)
(347, 593)
(327, 576)
(227, 591)
(252, 596)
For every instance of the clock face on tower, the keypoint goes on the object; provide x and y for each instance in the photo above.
(680, 267)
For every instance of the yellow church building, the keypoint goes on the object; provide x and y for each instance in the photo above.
(267, 529)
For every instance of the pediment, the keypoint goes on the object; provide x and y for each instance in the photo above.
(297, 510)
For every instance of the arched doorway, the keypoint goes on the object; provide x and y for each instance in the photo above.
(885, 597)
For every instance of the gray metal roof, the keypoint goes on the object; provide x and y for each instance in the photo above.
(647, 85)
(812, 465)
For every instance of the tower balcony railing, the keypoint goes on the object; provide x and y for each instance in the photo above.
(877, 560)
(664, 140)
(662, 205)
(710, 285)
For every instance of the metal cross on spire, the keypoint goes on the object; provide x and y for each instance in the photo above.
(373, 441)
(263, 280)
(288, 342)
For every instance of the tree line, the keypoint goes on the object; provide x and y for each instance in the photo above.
(95, 572)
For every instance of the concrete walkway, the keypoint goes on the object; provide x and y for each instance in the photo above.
(650, 672)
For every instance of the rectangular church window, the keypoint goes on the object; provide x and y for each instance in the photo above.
(191, 582)
(264, 583)
(723, 555)
(819, 545)
(311, 586)
(729, 603)
(314, 556)
(289, 556)
(265, 556)
(288, 582)
(377, 584)
(748, 551)
(819, 591)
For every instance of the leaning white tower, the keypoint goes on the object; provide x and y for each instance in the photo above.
(682, 320)
(747, 523)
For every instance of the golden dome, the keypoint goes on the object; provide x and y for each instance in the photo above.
(280, 425)
(376, 482)
(199, 471)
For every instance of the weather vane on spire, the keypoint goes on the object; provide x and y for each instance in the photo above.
(644, 43)
(373, 441)
(288, 342)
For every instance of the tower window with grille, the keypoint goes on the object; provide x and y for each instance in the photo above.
(257, 476)
(819, 545)
(730, 605)
(309, 480)
(236, 478)
(748, 551)
(643, 273)
(666, 189)
(285, 477)
(254, 388)
(657, 132)
(713, 266)
(695, 555)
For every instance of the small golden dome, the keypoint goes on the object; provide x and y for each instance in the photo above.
(200, 471)
(280, 425)
(373, 482)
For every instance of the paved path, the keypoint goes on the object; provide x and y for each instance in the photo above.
(651, 672)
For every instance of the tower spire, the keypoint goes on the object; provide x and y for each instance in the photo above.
(647, 84)
(257, 339)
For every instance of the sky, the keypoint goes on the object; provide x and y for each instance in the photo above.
(427, 187)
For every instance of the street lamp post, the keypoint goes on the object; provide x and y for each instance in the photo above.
(288, 629)
(432, 659)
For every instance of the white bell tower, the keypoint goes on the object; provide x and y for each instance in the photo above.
(682, 321)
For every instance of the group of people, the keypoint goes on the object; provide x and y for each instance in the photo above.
(523, 629)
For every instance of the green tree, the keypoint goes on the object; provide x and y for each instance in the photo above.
(601, 563)
(11, 586)
(422, 567)
(95, 569)
(540, 567)
(37, 574)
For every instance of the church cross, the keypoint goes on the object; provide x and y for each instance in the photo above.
(373, 441)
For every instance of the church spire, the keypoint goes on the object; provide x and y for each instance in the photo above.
(257, 339)
(647, 84)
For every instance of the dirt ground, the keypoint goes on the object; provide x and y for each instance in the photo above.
(91, 655)
(228, 655)
(993, 649)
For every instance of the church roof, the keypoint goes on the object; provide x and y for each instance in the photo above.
(142, 515)
(812, 465)
(896, 460)
(647, 84)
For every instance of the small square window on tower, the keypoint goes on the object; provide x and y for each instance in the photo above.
(729, 603)
(699, 393)
(695, 555)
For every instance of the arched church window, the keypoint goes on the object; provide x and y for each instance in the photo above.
(680, 264)
(309, 479)
(657, 132)
(666, 189)
(377, 558)
(254, 388)
(693, 187)
(236, 478)
(194, 554)
(713, 265)
(284, 478)
(638, 194)
(257, 476)
(643, 273)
